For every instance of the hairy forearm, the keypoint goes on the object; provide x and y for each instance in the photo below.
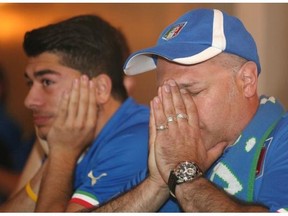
(202, 196)
(146, 197)
(56, 186)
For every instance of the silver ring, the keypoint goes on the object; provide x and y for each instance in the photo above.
(171, 119)
(182, 116)
(162, 127)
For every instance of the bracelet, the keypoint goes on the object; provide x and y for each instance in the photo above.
(30, 192)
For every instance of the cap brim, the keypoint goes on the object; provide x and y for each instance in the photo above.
(182, 53)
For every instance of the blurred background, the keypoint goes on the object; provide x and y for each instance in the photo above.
(141, 23)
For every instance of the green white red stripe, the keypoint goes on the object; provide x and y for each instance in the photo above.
(85, 199)
(283, 210)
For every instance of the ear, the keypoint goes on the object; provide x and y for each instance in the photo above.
(248, 76)
(103, 86)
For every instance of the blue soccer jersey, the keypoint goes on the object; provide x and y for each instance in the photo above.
(271, 181)
(270, 185)
(117, 159)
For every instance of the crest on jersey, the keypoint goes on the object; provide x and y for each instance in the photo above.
(262, 156)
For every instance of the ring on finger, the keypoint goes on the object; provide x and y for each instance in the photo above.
(161, 127)
(171, 119)
(182, 116)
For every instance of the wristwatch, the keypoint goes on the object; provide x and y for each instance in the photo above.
(184, 172)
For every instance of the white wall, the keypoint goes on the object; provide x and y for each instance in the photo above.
(268, 23)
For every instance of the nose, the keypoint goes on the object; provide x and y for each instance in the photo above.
(34, 98)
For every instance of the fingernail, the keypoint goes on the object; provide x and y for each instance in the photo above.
(172, 82)
(75, 82)
(84, 78)
(156, 101)
(167, 88)
(183, 91)
(91, 84)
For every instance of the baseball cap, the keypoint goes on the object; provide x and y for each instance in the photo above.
(196, 37)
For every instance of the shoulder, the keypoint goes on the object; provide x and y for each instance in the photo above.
(278, 141)
(133, 114)
(280, 132)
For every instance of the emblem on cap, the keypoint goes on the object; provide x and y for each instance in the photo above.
(174, 31)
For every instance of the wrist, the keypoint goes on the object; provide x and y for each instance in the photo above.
(158, 184)
(63, 158)
(186, 171)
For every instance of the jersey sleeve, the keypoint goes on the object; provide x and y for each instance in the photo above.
(115, 167)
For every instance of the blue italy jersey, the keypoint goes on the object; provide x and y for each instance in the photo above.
(270, 185)
(271, 181)
(117, 159)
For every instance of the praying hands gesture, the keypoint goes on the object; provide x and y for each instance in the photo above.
(178, 136)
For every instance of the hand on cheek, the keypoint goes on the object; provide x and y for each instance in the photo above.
(75, 124)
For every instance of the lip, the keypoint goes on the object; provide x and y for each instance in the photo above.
(41, 120)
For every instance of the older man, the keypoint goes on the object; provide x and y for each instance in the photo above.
(215, 145)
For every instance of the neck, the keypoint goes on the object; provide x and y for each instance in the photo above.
(246, 118)
(105, 112)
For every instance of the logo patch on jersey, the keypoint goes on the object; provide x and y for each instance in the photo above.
(261, 160)
(95, 179)
(174, 31)
(270, 99)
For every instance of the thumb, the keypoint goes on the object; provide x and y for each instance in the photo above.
(214, 153)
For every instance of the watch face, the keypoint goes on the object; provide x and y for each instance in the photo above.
(186, 171)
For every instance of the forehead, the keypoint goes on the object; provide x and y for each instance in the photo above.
(201, 72)
(170, 70)
(48, 62)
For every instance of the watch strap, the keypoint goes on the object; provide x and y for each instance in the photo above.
(172, 182)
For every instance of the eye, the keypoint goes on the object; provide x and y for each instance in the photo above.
(195, 93)
(29, 83)
(47, 82)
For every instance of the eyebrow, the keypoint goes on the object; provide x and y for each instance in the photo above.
(42, 73)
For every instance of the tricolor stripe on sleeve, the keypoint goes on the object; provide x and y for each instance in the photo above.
(283, 210)
(84, 198)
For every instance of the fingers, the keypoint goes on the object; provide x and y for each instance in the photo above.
(172, 110)
(168, 105)
(152, 127)
(83, 101)
(62, 114)
(191, 108)
(177, 103)
(80, 107)
(73, 102)
(159, 115)
(92, 108)
(214, 153)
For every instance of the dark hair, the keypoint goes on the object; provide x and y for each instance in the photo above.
(86, 43)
